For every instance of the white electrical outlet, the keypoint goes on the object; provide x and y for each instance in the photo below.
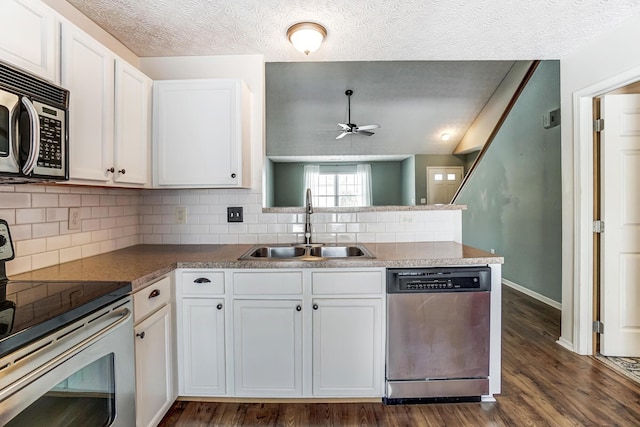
(493, 251)
(181, 215)
(75, 222)
(406, 219)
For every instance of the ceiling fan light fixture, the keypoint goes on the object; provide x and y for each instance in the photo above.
(306, 36)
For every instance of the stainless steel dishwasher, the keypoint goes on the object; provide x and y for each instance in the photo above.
(437, 334)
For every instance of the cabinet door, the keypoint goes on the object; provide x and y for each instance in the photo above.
(202, 371)
(28, 37)
(197, 133)
(267, 347)
(132, 123)
(347, 347)
(154, 372)
(88, 72)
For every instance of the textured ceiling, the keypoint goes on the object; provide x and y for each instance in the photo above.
(359, 30)
(413, 101)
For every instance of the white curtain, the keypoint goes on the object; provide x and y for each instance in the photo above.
(364, 177)
(311, 178)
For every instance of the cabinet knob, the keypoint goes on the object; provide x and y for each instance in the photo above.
(219, 306)
(298, 308)
(315, 306)
(111, 169)
(141, 335)
(154, 293)
(202, 280)
(233, 175)
(122, 171)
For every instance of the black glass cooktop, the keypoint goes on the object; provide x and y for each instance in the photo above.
(30, 310)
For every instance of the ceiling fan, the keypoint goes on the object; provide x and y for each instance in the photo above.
(350, 128)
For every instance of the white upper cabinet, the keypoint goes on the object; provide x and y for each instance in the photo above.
(132, 149)
(109, 108)
(88, 73)
(201, 134)
(29, 37)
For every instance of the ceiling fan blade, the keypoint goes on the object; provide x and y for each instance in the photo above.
(365, 132)
(342, 135)
(343, 126)
(366, 127)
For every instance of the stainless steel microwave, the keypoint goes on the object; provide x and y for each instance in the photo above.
(34, 141)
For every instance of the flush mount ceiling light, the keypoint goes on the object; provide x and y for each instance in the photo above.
(306, 36)
(445, 136)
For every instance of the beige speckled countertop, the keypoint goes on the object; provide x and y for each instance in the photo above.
(143, 263)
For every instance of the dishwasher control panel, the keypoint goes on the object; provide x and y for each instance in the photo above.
(454, 279)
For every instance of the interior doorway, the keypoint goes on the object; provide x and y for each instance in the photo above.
(616, 252)
(443, 183)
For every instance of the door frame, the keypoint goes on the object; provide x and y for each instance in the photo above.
(578, 250)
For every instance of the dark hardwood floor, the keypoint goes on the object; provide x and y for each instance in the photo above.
(542, 385)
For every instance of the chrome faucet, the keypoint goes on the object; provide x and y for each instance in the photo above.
(307, 222)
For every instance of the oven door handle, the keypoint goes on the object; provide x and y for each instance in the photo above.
(34, 141)
(123, 315)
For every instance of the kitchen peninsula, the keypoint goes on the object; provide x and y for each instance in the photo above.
(232, 316)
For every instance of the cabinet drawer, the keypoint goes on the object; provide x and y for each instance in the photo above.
(203, 283)
(272, 283)
(347, 282)
(152, 297)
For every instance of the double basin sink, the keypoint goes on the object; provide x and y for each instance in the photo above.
(305, 252)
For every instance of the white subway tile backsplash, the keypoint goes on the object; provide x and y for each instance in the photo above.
(69, 200)
(70, 254)
(46, 259)
(117, 218)
(15, 200)
(44, 200)
(30, 216)
(46, 229)
(8, 215)
(30, 247)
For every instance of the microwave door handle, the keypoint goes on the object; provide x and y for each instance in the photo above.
(34, 142)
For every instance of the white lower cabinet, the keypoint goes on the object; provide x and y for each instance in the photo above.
(154, 350)
(310, 332)
(202, 368)
(347, 347)
(154, 393)
(268, 347)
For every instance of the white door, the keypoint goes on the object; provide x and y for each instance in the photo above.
(620, 277)
(132, 143)
(442, 183)
(267, 347)
(154, 391)
(347, 347)
(87, 71)
(202, 357)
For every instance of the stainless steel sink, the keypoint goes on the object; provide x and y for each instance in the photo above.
(337, 251)
(305, 252)
(277, 252)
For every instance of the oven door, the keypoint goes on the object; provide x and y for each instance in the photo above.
(88, 382)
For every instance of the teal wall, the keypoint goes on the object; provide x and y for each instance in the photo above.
(424, 160)
(288, 183)
(409, 181)
(514, 194)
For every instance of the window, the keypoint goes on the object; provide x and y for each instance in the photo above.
(339, 185)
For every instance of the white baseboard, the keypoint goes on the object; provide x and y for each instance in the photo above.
(532, 294)
(566, 344)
